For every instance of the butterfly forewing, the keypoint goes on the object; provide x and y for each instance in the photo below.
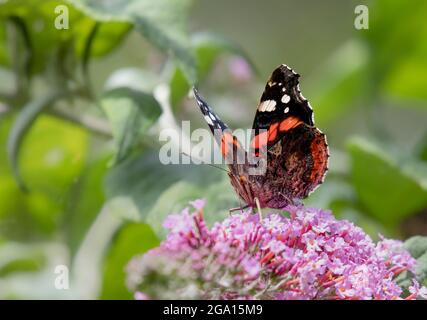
(281, 107)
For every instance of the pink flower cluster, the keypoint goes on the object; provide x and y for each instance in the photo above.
(307, 255)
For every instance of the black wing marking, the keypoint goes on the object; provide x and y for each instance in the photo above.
(282, 103)
(211, 118)
(217, 126)
(282, 98)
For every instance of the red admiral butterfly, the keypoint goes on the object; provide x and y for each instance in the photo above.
(297, 152)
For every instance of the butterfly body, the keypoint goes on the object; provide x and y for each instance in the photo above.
(296, 151)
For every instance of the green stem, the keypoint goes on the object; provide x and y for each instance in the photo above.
(86, 57)
(91, 123)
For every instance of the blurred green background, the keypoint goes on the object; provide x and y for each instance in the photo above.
(81, 110)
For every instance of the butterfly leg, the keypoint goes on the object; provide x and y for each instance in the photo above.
(230, 211)
(294, 201)
(288, 200)
(258, 205)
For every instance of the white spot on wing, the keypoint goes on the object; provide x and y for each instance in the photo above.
(312, 114)
(208, 120)
(267, 106)
(287, 110)
(286, 98)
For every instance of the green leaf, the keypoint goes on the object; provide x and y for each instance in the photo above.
(54, 165)
(32, 263)
(131, 114)
(51, 168)
(421, 269)
(22, 124)
(144, 179)
(23, 49)
(135, 78)
(132, 239)
(219, 196)
(4, 58)
(421, 148)
(393, 26)
(86, 201)
(162, 22)
(331, 190)
(172, 200)
(106, 37)
(47, 41)
(346, 78)
(207, 47)
(389, 188)
(417, 247)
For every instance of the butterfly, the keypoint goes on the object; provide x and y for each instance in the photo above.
(296, 151)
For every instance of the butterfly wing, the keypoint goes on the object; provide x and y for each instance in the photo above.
(211, 118)
(229, 145)
(281, 108)
(297, 164)
(297, 157)
(297, 152)
(230, 148)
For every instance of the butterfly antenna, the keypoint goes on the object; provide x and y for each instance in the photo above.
(209, 164)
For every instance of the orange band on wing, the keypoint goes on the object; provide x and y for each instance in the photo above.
(272, 131)
(289, 123)
(260, 140)
(263, 138)
(228, 140)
